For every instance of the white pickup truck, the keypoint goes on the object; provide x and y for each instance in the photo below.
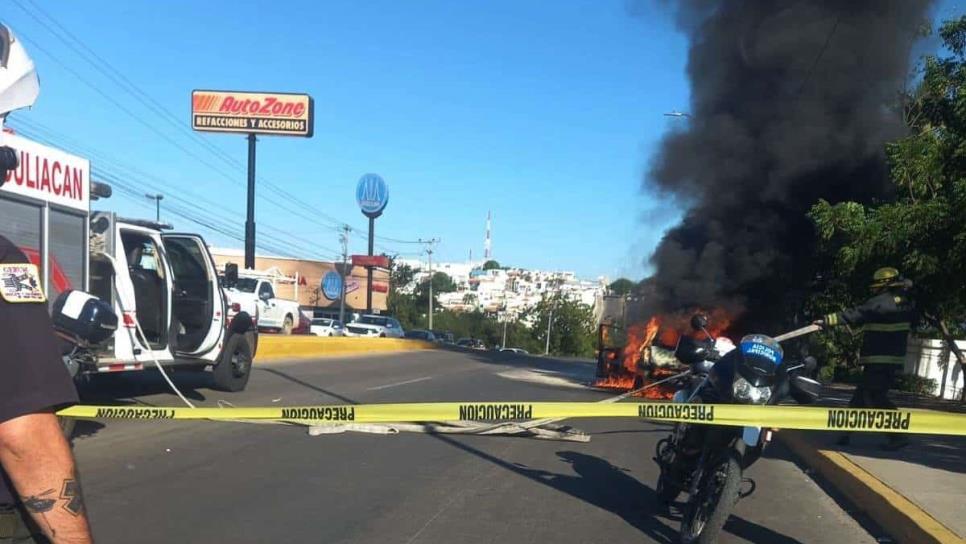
(167, 284)
(273, 312)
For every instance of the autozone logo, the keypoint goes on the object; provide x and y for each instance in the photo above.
(255, 106)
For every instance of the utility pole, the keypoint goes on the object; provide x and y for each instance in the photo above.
(430, 244)
(344, 238)
(157, 201)
(546, 351)
(504, 329)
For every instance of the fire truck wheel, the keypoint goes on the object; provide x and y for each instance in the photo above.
(232, 371)
(288, 325)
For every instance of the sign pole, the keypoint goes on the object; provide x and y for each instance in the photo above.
(250, 221)
(345, 265)
(372, 235)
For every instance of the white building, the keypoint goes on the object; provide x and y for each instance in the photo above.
(511, 290)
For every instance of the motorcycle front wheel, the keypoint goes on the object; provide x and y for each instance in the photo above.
(707, 511)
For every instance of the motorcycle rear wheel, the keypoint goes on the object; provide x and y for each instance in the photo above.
(707, 512)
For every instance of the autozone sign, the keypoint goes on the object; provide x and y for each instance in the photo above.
(258, 113)
(48, 174)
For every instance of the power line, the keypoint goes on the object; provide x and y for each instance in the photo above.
(191, 200)
(122, 81)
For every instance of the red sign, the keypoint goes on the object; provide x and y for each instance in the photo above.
(380, 288)
(379, 261)
(262, 113)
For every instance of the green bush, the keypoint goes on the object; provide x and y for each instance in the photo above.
(916, 384)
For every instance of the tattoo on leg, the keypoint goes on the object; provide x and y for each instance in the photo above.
(39, 504)
(72, 494)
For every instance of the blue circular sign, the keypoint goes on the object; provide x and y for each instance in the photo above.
(372, 194)
(332, 285)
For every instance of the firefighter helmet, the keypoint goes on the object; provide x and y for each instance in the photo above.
(886, 277)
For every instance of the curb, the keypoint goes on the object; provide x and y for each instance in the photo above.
(901, 518)
(301, 347)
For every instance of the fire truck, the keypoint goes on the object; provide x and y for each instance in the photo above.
(163, 287)
(98, 269)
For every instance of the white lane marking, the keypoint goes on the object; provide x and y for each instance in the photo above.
(388, 385)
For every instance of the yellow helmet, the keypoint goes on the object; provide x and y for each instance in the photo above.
(885, 277)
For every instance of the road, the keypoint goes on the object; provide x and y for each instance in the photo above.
(168, 482)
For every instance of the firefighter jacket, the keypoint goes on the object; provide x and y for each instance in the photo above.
(885, 321)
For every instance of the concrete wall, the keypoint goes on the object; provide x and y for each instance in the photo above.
(924, 359)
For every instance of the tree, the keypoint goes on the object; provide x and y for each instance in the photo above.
(573, 330)
(401, 305)
(491, 265)
(621, 286)
(922, 231)
(442, 283)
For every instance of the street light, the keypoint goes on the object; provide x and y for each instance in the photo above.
(157, 199)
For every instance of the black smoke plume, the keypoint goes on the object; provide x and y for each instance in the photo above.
(792, 101)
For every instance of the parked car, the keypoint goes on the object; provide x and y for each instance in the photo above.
(419, 334)
(519, 351)
(375, 326)
(323, 326)
(471, 343)
(444, 337)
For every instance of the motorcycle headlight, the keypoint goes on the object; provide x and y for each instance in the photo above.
(745, 392)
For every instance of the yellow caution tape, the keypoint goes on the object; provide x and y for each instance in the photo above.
(781, 417)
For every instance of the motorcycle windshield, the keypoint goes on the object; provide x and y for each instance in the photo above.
(761, 356)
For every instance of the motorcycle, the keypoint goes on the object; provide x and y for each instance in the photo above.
(708, 461)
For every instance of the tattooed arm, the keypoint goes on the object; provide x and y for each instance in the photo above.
(39, 462)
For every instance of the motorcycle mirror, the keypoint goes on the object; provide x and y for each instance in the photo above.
(699, 322)
(804, 390)
(231, 274)
(811, 363)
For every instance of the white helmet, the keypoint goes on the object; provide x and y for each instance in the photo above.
(19, 88)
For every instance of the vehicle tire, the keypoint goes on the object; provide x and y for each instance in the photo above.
(706, 513)
(235, 365)
(667, 490)
(288, 325)
(382, 335)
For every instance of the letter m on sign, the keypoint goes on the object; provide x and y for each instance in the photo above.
(204, 102)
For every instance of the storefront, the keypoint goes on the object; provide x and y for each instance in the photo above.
(302, 280)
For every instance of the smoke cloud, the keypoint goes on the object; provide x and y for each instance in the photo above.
(792, 101)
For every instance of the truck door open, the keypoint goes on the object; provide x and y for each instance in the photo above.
(197, 303)
(152, 296)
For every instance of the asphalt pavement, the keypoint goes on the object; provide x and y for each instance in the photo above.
(165, 481)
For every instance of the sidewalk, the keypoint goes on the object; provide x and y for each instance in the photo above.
(917, 494)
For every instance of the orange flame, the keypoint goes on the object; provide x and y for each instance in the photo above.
(665, 331)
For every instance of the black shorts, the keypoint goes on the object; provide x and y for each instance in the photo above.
(16, 527)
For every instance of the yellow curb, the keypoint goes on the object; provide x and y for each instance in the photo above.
(297, 347)
(901, 518)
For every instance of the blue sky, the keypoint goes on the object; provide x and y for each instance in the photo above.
(544, 113)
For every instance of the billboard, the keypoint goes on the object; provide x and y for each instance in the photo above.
(380, 261)
(48, 174)
(283, 114)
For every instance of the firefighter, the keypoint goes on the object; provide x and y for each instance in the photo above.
(885, 320)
